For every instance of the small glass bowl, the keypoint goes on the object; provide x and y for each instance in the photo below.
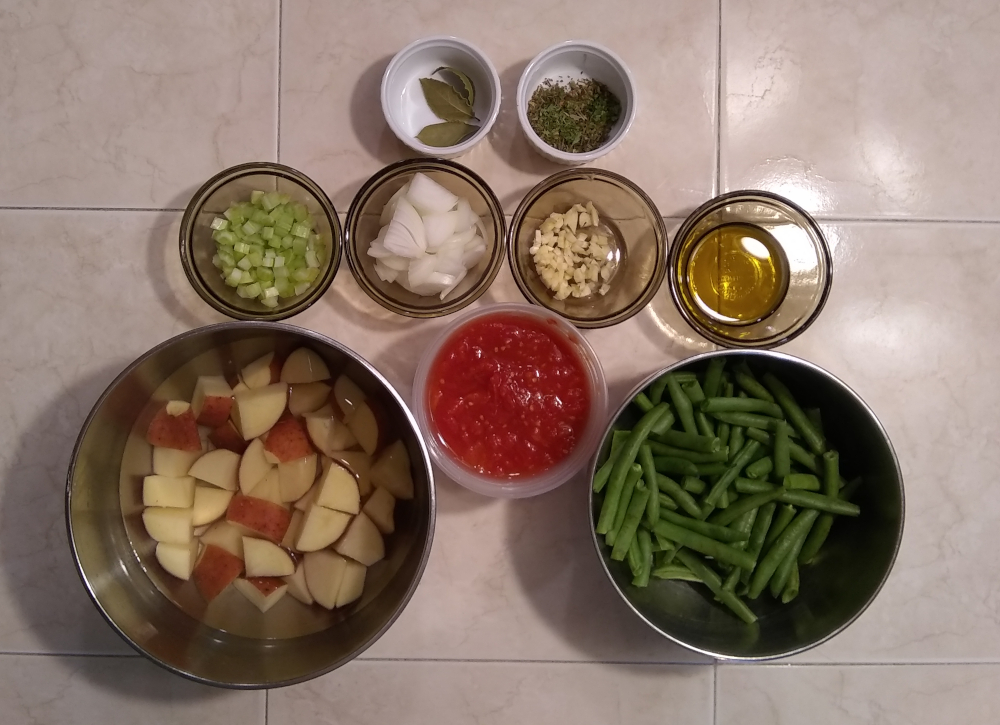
(363, 227)
(523, 486)
(807, 263)
(234, 185)
(636, 230)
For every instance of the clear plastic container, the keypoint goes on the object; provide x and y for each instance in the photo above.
(520, 486)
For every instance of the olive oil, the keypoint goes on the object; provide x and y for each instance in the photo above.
(736, 274)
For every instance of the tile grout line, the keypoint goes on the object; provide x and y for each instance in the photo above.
(718, 108)
(267, 705)
(715, 692)
(277, 139)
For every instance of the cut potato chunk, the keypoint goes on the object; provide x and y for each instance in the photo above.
(365, 428)
(177, 429)
(297, 586)
(259, 373)
(253, 466)
(212, 400)
(304, 366)
(392, 471)
(305, 502)
(263, 592)
(348, 395)
(226, 436)
(359, 463)
(327, 433)
(379, 508)
(258, 516)
(216, 569)
(257, 410)
(168, 492)
(178, 559)
(264, 558)
(219, 467)
(210, 504)
(321, 527)
(226, 536)
(306, 397)
(338, 489)
(362, 541)
(269, 489)
(172, 462)
(169, 525)
(287, 440)
(324, 571)
(296, 477)
(294, 529)
(352, 583)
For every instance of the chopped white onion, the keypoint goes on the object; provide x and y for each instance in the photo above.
(390, 206)
(439, 227)
(428, 196)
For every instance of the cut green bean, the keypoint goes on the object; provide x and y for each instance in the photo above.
(626, 457)
(792, 587)
(723, 503)
(780, 577)
(801, 481)
(692, 389)
(797, 453)
(704, 544)
(831, 473)
(744, 525)
(630, 522)
(677, 572)
(737, 437)
(782, 456)
(817, 537)
(692, 442)
(711, 469)
(693, 484)
(816, 418)
(663, 544)
(682, 404)
(705, 426)
(722, 433)
(664, 422)
(745, 379)
(662, 449)
(634, 557)
(683, 498)
(737, 465)
(675, 466)
(782, 518)
(720, 533)
(819, 502)
(714, 583)
(724, 518)
(760, 468)
(791, 538)
(741, 405)
(657, 388)
(783, 397)
(631, 481)
(747, 420)
(646, 558)
(713, 377)
(665, 500)
(751, 486)
(649, 476)
(732, 579)
(618, 439)
(765, 514)
(643, 403)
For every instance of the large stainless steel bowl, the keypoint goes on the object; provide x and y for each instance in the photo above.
(229, 645)
(856, 558)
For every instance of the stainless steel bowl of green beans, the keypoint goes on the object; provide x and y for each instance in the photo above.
(747, 505)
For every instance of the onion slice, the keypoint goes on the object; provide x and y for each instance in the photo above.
(428, 196)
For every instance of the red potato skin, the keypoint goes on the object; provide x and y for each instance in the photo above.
(216, 570)
(215, 411)
(266, 584)
(174, 431)
(288, 440)
(263, 517)
(226, 436)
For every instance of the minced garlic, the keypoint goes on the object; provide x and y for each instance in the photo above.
(569, 260)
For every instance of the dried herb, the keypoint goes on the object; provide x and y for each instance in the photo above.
(449, 133)
(470, 90)
(451, 104)
(575, 117)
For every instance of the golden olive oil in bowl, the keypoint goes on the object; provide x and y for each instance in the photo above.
(737, 274)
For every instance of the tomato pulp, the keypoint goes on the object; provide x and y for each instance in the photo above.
(509, 396)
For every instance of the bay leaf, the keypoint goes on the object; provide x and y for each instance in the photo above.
(449, 133)
(446, 103)
(470, 90)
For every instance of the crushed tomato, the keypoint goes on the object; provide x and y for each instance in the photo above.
(509, 396)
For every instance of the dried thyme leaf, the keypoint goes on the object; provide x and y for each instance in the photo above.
(446, 103)
(470, 90)
(449, 133)
(574, 117)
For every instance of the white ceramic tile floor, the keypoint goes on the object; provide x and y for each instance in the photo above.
(877, 116)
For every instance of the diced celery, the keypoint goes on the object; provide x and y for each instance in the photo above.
(245, 277)
(253, 290)
(260, 217)
(255, 196)
(279, 261)
(301, 287)
(227, 258)
(253, 239)
(234, 215)
(225, 237)
(270, 302)
(267, 233)
(300, 275)
(284, 288)
(274, 242)
(284, 198)
(233, 278)
(264, 274)
(255, 259)
(283, 228)
(280, 272)
(250, 228)
(299, 245)
(242, 291)
(269, 200)
(312, 273)
(218, 224)
(241, 247)
(270, 292)
(267, 262)
(244, 263)
(217, 261)
(286, 242)
(299, 212)
(300, 230)
(311, 259)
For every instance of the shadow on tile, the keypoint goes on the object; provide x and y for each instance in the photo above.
(553, 556)
(44, 588)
